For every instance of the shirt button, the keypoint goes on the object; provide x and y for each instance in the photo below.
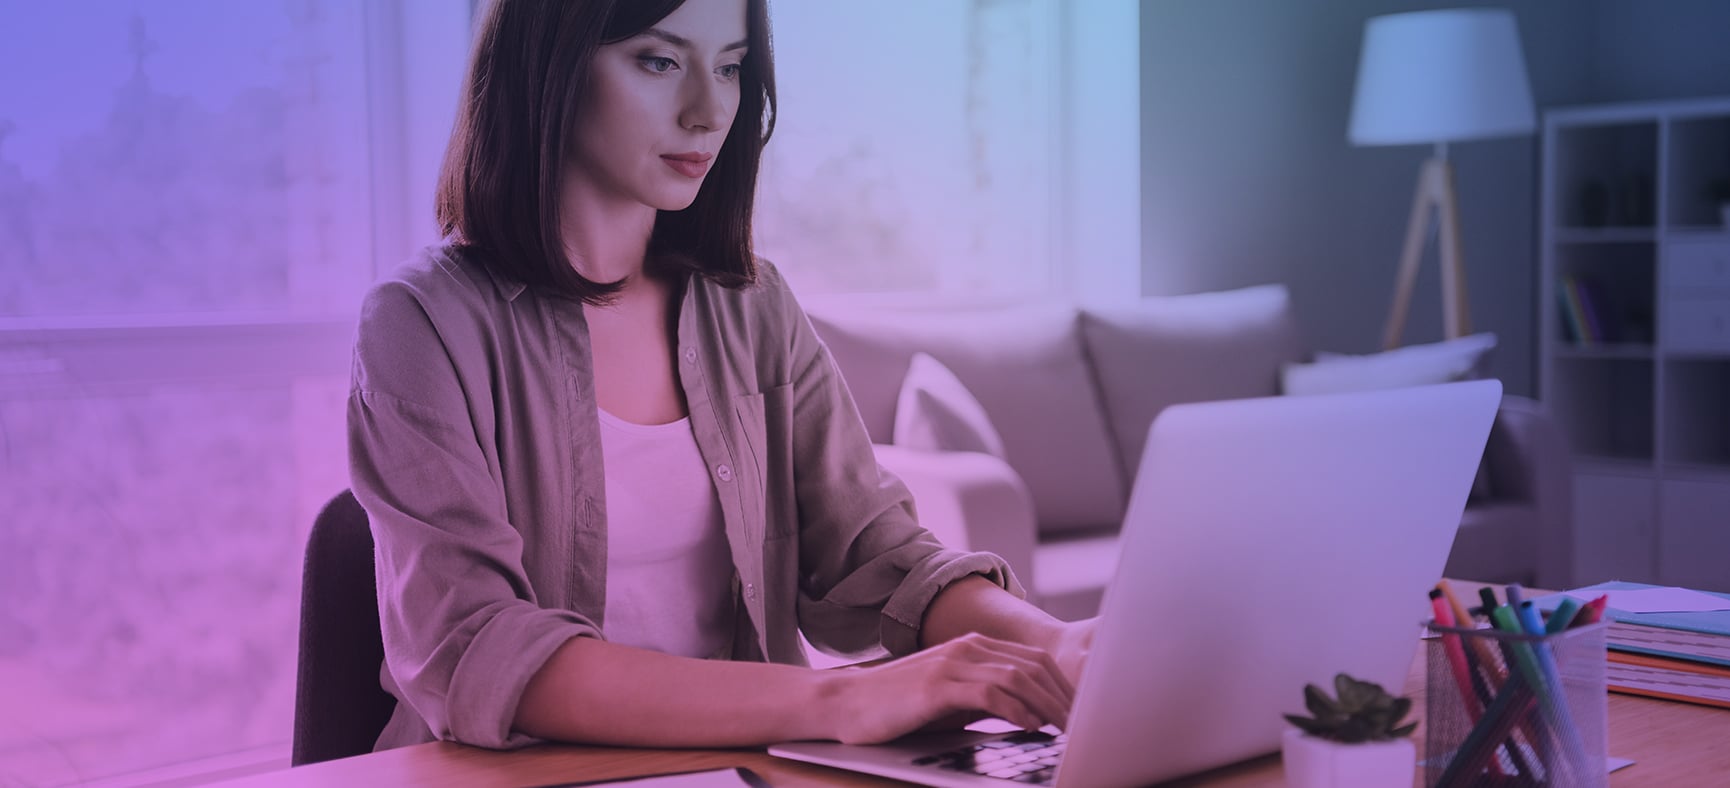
(751, 591)
(724, 473)
(690, 355)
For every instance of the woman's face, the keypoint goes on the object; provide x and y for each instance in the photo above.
(659, 106)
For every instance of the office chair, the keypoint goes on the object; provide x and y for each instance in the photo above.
(339, 707)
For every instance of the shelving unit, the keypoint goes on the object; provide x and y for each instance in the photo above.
(1634, 334)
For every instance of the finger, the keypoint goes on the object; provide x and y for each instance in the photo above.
(991, 699)
(1018, 682)
(1037, 661)
(1029, 654)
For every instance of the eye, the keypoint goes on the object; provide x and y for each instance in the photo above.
(732, 71)
(657, 64)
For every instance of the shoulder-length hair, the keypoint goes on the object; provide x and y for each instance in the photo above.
(498, 191)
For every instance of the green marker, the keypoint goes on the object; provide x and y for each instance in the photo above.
(1563, 617)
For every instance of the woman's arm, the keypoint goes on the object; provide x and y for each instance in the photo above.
(596, 692)
(975, 604)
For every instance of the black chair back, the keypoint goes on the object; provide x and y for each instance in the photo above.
(339, 707)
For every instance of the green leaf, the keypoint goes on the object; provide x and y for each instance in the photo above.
(1309, 726)
(1354, 694)
(1323, 707)
(1400, 733)
(1402, 707)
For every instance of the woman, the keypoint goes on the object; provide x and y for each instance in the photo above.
(611, 471)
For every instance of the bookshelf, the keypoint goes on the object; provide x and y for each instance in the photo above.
(1634, 337)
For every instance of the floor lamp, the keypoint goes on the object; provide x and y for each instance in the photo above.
(1437, 77)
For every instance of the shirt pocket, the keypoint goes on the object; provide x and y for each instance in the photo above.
(765, 422)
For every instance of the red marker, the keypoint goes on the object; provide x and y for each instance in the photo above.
(1456, 654)
(1592, 611)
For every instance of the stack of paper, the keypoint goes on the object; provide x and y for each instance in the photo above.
(1664, 642)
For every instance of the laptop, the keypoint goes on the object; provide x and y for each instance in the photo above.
(1268, 543)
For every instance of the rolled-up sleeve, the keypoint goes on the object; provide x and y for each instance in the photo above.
(462, 634)
(861, 548)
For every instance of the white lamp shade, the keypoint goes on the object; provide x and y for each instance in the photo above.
(1441, 76)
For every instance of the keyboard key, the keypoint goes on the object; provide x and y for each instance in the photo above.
(1005, 774)
(1041, 777)
(997, 744)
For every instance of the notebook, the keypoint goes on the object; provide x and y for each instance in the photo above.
(1699, 636)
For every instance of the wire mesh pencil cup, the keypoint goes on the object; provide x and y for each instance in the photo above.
(1515, 709)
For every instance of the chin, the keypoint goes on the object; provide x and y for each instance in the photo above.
(674, 202)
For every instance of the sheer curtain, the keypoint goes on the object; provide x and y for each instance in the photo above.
(193, 196)
(916, 148)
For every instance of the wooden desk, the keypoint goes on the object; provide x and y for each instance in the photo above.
(1672, 744)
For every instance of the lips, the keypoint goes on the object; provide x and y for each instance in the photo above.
(690, 165)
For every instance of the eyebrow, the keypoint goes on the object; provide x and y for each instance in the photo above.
(681, 41)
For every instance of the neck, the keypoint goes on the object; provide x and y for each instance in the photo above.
(606, 239)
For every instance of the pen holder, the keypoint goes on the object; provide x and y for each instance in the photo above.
(1515, 709)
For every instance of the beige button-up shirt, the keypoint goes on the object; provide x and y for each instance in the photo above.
(474, 446)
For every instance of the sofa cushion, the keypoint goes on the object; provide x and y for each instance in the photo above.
(1071, 573)
(1448, 361)
(1415, 365)
(1165, 350)
(936, 412)
(1026, 366)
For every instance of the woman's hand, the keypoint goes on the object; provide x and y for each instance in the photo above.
(972, 673)
(1073, 645)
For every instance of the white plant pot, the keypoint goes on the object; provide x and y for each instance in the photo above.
(1318, 763)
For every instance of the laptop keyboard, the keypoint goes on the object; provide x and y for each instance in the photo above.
(1026, 757)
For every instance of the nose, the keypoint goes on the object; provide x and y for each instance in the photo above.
(707, 104)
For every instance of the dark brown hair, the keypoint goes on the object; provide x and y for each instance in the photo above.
(499, 188)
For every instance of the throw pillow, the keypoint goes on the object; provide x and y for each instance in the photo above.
(935, 412)
(1418, 365)
(1026, 364)
(1158, 351)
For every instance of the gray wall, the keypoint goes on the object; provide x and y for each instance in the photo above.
(1248, 177)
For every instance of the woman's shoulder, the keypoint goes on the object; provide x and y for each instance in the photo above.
(438, 284)
(767, 300)
(436, 274)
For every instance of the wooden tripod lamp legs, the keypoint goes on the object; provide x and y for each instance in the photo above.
(1434, 197)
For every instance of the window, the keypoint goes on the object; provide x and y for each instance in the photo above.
(985, 147)
(191, 204)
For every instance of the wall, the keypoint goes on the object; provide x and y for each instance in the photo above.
(1248, 178)
(1670, 49)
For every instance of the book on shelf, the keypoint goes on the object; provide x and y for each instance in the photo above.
(1573, 316)
(1585, 313)
(1596, 310)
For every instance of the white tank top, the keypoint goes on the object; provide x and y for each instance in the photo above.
(669, 572)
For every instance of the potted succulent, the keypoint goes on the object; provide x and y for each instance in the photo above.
(1353, 740)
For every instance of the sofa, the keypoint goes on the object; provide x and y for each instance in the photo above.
(1071, 391)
